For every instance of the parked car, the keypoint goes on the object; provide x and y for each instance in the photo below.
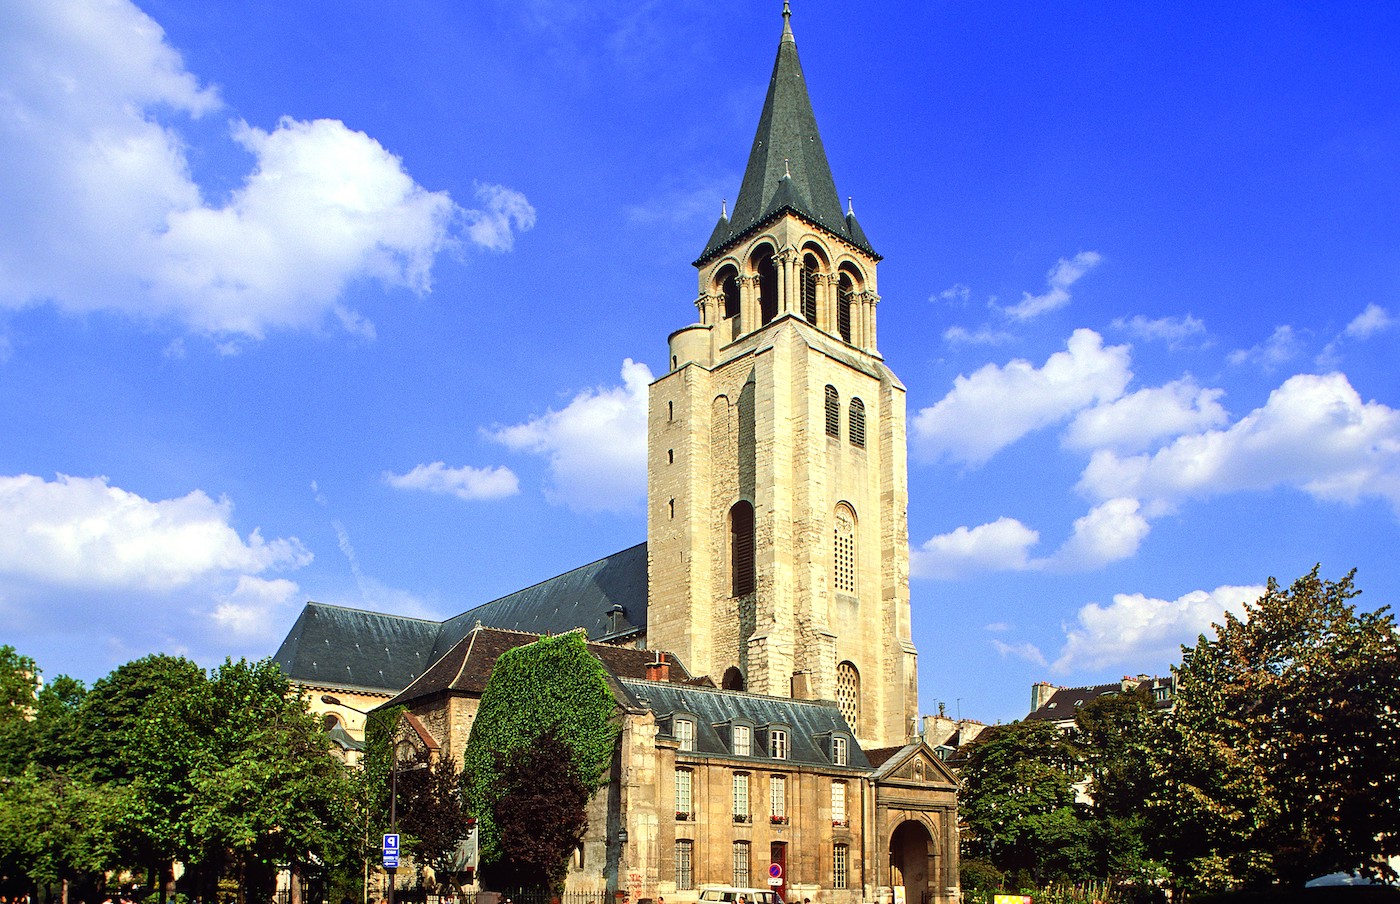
(729, 894)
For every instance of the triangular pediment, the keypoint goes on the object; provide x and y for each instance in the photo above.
(915, 764)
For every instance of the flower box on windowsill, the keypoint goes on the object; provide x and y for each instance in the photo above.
(778, 820)
(742, 817)
(682, 816)
(840, 823)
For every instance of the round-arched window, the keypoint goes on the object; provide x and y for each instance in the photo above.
(848, 694)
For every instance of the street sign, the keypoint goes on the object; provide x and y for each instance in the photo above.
(391, 851)
(775, 870)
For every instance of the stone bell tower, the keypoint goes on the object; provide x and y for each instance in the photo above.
(777, 480)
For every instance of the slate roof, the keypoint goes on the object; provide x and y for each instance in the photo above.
(466, 668)
(787, 168)
(806, 720)
(339, 647)
(1065, 702)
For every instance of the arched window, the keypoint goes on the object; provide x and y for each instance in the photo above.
(733, 679)
(845, 300)
(833, 411)
(844, 550)
(330, 721)
(848, 694)
(728, 282)
(809, 287)
(767, 284)
(741, 549)
(857, 423)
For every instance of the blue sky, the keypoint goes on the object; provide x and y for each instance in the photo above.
(358, 302)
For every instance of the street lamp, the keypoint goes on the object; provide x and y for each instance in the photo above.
(394, 771)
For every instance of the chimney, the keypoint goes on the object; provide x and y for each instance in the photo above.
(659, 669)
(801, 686)
(1041, 692)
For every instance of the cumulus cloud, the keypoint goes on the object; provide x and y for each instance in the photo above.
(1026, 651)
(465, 482)
(1001, 545)
(103, 213)
(1138, 420)
(83, 532)
(1064, 274)
(1174, 331)
(1109, 532)
(257, 608)
(997, 405)
(1375, 319)
(1314, 434)
(1282, 346)
(596, 445)
(1136, 628)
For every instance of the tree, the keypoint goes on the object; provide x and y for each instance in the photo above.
(1017, 802)
(556, 687)
(1278, 762)
(431, 810)
(540, 816)
(19, 685)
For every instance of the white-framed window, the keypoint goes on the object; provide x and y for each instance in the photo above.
(685, 733)
(838, 751)
(685, 857)
(743, 740)
(840, 865)
(777, 798)
(741, 797)
(778, 744)
(838, 803)
(741, 864)
(685, 801)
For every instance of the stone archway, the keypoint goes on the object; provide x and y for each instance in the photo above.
(912, 862)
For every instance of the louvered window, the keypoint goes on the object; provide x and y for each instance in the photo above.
(833, 411)
(741, 549)
(809, 288)
(843, 557)
(845, 300)
(857, 423)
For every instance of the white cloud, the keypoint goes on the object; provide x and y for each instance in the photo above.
(957, 335)
(1109, 532)
(1026, 651)
(1136, 629)
(1064, 274)
(1171, 330)
(102, 212)
(596, 445)
(1001, 545)
(1314, 433)
(257, 608)
(465, 482)
(82, 532)
(1138, 420)
(1375, 319)
(1282, 346)
(958, 295)
(996, 406)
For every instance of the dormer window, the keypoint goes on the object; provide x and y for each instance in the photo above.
(684, 731)
(778, 744)
(742, 740)
(839, 751)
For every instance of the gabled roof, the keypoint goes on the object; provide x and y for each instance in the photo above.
(895, 760)
(787, 168)
(806, 720)
(333, 646)
(466, 667)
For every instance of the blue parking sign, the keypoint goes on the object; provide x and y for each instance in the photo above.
(391, 851)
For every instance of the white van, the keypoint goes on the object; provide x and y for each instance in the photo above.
(729, 894)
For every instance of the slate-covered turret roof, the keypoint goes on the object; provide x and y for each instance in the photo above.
(338, 647)
(787, 168)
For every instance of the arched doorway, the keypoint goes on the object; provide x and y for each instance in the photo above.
(911, 862)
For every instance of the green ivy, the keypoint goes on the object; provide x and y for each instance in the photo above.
(552, 685)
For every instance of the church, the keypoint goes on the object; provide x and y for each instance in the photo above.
(758, 643)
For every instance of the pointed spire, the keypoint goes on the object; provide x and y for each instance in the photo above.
(787, 166)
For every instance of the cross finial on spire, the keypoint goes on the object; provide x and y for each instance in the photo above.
(724, 208)
(787, 170)
(787, 21)
(850, 208)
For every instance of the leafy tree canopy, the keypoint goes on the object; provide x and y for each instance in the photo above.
(1278, 763)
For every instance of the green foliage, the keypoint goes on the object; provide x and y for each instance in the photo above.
(1279, 760)
(19, 684)
(431, 811)
(553, 686)
(1017, 801)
